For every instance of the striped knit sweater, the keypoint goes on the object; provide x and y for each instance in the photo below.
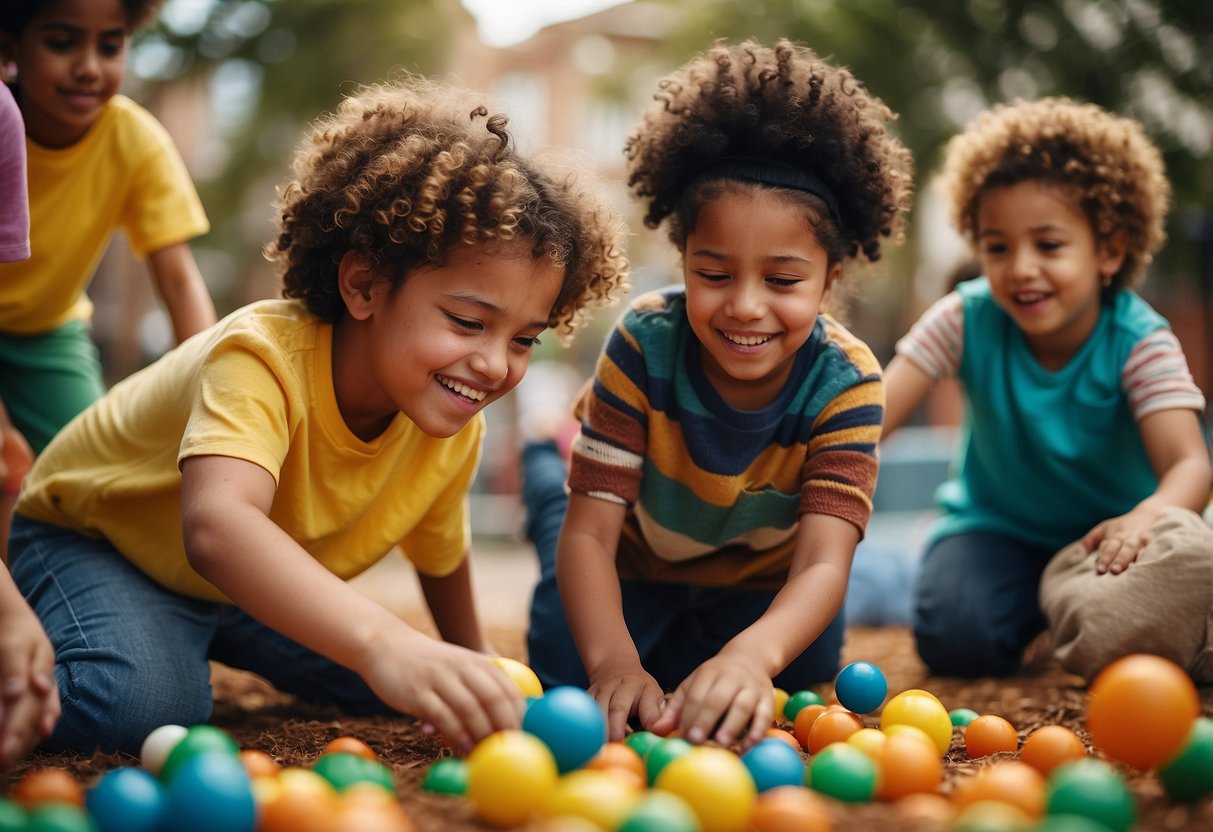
(714, 494)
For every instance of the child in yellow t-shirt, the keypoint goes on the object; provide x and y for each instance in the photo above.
(212, 505)
(96, 162)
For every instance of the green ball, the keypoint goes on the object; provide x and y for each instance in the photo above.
(446, 776)
(660, 811)
(1068, 823)
(197, 739)
(59, 817)
(642, 742)
(961, 717)
(798, 700)
(1092, 789)
(843, 772)
(662, 754)
(12, 817)
(1189, 776)
(343, 770)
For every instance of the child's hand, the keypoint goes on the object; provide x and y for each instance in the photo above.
(29, 696)
(459, 692)
(1120, 539)
(729, 695)
(625, 690)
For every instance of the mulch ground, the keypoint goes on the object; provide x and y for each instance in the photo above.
(294, 733)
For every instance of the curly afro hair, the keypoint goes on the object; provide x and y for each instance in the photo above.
(15, 15)
(1105, 160)
(785, 106)
(404, 172)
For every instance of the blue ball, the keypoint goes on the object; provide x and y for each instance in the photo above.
(860, 687)
(774, 763)
(126, 800)
(570, 722)
(211, 791)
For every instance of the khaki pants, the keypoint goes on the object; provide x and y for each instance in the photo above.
(1161, 604)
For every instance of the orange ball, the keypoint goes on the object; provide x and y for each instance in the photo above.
(990, 734)
(351, 745)
(790, 807)
(804, 722)
(1006, 781)
(259, 764)
(832, 726)
(1049, 746)
(908, 766)
(1141, 710)
(297, 800)
(618, 757)
(47, 785)
(783, 736)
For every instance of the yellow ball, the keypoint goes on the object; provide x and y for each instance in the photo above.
(781, 699)
(922, 710)
(715, 784)
(600, 796)
(869, 741)
(522, 676)
(511, 774)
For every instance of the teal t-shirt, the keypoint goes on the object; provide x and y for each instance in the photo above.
(1046, 455)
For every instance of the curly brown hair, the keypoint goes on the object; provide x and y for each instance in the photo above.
(404, 172)
(1105, 160)
(15, 15)
(783, 106)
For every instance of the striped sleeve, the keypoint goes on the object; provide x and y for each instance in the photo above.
(1156, 377)
(936, 341)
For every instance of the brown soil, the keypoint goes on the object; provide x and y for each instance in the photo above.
(294, 734)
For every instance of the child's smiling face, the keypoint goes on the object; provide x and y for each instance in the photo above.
(756, 279)
(70, 61)
(449, 341)
(1045, 265)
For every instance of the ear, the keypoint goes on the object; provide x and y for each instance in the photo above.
(1111, 252)
(831, 276)
(357, 282)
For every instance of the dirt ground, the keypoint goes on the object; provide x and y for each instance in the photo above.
(294, 733)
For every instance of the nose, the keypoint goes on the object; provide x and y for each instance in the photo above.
(745, 302)
(88, 64)
(1022, 261)
(491, 361)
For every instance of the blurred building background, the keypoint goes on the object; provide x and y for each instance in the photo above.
(237, 82)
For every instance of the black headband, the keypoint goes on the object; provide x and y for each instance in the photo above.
(771, 172)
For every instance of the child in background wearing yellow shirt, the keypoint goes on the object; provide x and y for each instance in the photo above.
(97, 161)
(212, 505)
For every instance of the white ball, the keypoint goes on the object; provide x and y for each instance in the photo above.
(158, 745)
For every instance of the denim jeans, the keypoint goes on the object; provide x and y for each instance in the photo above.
(975, 604)
(675, 627)
(131, 655)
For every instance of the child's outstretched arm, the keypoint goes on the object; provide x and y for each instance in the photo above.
(905, 386)
(1180, 458)
(29, 697)
(593, 605)
(731, 693)
(453, 607)
(182, 288)
(231, 541)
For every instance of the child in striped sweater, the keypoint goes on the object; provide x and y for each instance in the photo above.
(1083, 423)
(725, 467)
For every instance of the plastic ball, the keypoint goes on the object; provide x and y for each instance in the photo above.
(59, 817)
(523, 677)
(597, 796)
(772, 764)
(1092, 789)
(296, 800)
(1189, 775)
(619, 759)
(1141, 710)
(781, 701)
(1068, 823)
(47, 785)
(715, 784)
(802, 726)
(158, 745)
(961, 717)
(570, 722)
(871, 742)
(126, 800)
(641, 742)
(344, 770)
(832, 727)
(907, 766)
(510, 775)
(661, 812)
(446, 776)
(258, 764)
(860, 687)
(790, 808)
(922, 710)
(1006, 781)
(843, 772)
(12, 817)
(197, 739)
(359, 813)
(662, 754)
(990, 734)
(1049, 746)
(350, 745)
(210, 790)
(798, 700)
(991, 816)
(784, 737)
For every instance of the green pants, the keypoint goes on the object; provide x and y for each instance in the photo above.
(45, 380)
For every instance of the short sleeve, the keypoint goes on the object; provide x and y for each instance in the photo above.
(162, 207)
(1156, 377)
(935, 343)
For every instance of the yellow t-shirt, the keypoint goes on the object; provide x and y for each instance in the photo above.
(125, 173)
(256, 386)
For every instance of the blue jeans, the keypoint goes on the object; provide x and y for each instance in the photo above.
(131, 655)
(675, 627)
(975, 604)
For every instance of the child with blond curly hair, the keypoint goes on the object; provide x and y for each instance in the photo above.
(213, 505)
(1083, 422)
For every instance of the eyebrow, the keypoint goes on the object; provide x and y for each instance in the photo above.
(72, 28)
(481, 303)
(778, 258)
(1036, 229)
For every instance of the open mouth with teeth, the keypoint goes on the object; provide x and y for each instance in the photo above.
(1030, 298)
(455, 386)
(746, 340)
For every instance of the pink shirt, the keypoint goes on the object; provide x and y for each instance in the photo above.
(14, 197)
